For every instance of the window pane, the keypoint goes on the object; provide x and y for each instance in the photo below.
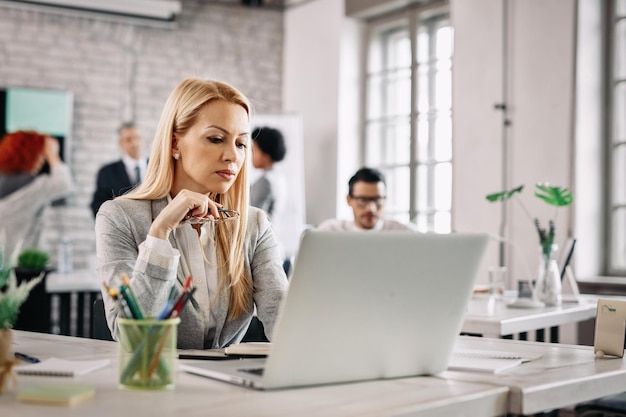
(423, 135)
(374, 144)
(398, 93)
(398, 50)
(443, 134)
(374, 97)
(422, 188)
(619, 175)
(443, 86)
(443, 186)
(422, 46)
(619, 49)
(442, 221)
(422, 222)
(444, 43)
(388, 143)
(398, 143)
(618, 243)
(619, 121)
(423, 93)
(398, 186)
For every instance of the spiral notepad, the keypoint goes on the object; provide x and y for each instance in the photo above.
(61, 367)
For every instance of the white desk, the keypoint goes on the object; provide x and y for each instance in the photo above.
(197, 396)
(564, 374)
(492, 318)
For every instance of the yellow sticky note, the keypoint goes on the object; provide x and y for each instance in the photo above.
(58, 394)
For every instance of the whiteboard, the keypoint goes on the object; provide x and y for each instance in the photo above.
(292, 223)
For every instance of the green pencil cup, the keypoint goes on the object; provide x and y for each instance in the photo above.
(147, 353)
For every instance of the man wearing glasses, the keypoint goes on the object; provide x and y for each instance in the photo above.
(366, 195)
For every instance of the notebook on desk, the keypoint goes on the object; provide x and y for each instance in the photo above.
(364, 306)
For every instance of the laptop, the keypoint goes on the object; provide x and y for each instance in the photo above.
(363, 306)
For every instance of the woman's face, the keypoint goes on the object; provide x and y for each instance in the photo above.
(213, 150)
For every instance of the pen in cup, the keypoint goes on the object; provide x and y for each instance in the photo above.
(26, 358)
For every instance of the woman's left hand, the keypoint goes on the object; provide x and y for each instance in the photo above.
(186, 203)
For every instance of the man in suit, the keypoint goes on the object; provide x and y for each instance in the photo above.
(119, 177)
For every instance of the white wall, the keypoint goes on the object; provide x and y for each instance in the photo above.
(541, 100)
(589, 145)
(311, 88)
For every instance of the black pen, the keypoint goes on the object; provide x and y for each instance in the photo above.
(568, 259)
(26, 358)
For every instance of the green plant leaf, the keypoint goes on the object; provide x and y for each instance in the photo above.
(555, 196)
(32, 258)
(504, 195)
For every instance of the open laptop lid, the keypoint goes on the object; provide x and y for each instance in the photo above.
(372, 305)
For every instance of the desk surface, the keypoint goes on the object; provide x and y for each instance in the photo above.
(493, 318)
(197, 396)
(564, 374)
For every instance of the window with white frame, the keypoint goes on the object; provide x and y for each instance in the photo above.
(616, 140)
(408, 115)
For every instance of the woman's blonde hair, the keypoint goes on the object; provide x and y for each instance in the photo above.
(179, 114)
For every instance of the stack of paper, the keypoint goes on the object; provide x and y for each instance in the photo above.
(249, 349)
(61, 367)
(492, 361)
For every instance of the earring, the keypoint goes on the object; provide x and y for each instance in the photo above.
(176, 156)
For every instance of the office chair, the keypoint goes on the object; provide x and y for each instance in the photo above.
(255, 332)
(610, 406)
(99, 328)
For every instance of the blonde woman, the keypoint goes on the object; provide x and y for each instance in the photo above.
(198, 166)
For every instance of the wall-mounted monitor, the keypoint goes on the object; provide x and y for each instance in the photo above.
(45, 110)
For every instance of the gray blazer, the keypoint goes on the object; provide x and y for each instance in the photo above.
(123, 224)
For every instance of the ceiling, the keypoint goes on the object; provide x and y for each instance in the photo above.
(266, 4)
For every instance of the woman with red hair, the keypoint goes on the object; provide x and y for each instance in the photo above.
(24, 195)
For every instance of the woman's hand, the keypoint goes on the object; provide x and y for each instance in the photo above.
(186, 203)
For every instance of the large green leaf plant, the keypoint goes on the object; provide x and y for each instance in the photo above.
(552, 195)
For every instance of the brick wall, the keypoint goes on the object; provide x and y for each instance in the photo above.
(118, 71)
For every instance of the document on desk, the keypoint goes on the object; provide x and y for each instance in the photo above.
(488, 365)
(61, 367)
(491, 361)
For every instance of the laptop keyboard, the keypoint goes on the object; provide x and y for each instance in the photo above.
(255, 371)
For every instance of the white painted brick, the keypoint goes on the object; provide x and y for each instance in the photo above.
(93, 59)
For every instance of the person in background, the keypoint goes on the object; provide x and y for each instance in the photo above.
(269, 191)
(118, 177)
(25, 195)
(172, 225)
(367, 191)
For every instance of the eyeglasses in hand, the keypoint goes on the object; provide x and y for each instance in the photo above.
(223, 216)
(363, 202)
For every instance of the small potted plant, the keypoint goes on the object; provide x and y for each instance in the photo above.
(12, 296)
(31, 263)
(547, 287)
